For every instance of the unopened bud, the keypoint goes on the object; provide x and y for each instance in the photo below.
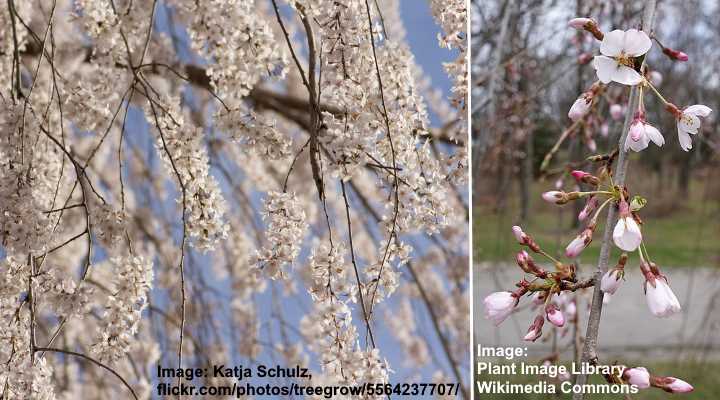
(585, 177)
(554, 315)
(676, 55)
(535, 330)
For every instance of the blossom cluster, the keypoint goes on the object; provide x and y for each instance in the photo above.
(124, 307)
(182, 148)
(285, 230)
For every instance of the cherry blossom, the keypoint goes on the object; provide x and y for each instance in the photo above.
(688, 122)
(626, 234)
(619, 48)
(641, 134)
(661, 300)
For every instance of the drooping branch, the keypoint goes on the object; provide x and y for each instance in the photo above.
(591, 337)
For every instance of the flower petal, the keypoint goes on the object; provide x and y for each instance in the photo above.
(636, 145)
(698, 109)
(626, 76)
(689, 122)
(605, 67)
(612, 43)
(626, 234)
(654, 135)
(636, 43)
(685, 140)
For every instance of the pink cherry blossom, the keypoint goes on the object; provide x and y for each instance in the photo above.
(618, 48)
(641, 134)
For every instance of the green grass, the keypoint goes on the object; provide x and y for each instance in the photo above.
(703, 377)
(677, 234)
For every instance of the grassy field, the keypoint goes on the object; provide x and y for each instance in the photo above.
(706, 384)
(677, 234)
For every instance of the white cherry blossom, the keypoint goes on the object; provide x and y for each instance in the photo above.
(688, 123)
(619, 49)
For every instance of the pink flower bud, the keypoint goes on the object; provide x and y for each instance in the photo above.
(580, 108)
(554, 315)
(676, 55)
(535, 330)
(553, 196)
(579, 175)
(638, 376)
(671, 384)
(499, 305)
(616, 111)
(589, 208)
(579, 23)
(521, 237)
(538, 298)
(579, 244)
(611, 281)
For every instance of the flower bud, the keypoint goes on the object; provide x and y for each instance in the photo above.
(590, 206)
(588, 25)
(638, 376)
(675, 55)
(585, 177)
(671, 384)
(584, 58)
(580, 107)
(521, 237)
(524, 261)
(580, 242)
(535, 330)
(555, 196)
(579, 23)
(554, 315)
(611, 281)
(499, 305)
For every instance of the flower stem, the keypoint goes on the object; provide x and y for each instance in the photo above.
(647, 82)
